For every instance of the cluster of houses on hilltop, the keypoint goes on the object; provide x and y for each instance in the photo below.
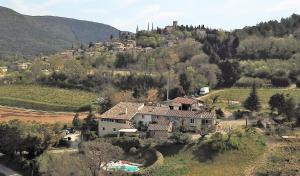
(19, 66)
(99, 47)
(184, 114)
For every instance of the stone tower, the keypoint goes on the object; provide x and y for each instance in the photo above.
(175, 24)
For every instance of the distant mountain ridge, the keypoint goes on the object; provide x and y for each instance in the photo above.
(29, 36)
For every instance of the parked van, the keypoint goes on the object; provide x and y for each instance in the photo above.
(204, 90)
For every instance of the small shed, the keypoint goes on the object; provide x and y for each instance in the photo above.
(160, 131)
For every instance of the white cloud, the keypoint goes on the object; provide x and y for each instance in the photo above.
(126, 3)
(284, 5)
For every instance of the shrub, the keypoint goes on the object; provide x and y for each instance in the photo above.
(150, 143)
(132, 150)
(294, 74)
(280, 81)
(218, 142)
(126, 143)
(221, 142)
(220, 114)
(251, 131)
(154, 159)
(240, 114)
(64, 143)
(263, 72)
(181, 138)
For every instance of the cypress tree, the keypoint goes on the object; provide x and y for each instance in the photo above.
(252, 103)
(76, 120)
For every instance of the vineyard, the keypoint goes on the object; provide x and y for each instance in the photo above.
(45, 98)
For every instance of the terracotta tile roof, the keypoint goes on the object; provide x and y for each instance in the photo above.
(190, 114)
(159, 127)
(123, 110)
(154, 110)
(182, 100)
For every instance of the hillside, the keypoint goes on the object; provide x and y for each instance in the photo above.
(33, 35)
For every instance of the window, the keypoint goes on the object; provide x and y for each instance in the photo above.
(143, 117)
(103, 129)
(192, 121)
(204, 121)
(114, 129)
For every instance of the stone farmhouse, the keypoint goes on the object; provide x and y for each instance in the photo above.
(23, 65)
(156, 121)
(3, 69)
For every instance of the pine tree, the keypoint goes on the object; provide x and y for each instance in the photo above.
(252, 103)
(184, 82)
(76, 120)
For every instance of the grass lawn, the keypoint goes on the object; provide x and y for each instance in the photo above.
(44, 98)
(240, 94)
(192, 161)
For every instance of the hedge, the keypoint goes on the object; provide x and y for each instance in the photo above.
(280, 81)
(29, 104)
(157, 159)
(126, 143)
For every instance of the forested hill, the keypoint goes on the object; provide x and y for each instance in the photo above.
(33, 35)
(266, 40)
(270, 40)
(286, 26)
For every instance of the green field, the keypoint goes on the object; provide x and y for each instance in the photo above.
(44, 98)
(240, 94)
(190, 161)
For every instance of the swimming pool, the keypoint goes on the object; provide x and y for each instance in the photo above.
(125, 167)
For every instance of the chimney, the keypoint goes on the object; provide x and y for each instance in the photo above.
(126, 111)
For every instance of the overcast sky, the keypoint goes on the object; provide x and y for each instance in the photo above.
(127, 14)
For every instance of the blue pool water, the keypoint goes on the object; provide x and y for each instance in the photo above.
(126, 168)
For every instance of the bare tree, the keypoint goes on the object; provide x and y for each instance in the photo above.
(97, 154)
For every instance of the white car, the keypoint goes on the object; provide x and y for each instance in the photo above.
(204, 90)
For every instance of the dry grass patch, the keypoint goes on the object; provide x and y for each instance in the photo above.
(9, 113)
